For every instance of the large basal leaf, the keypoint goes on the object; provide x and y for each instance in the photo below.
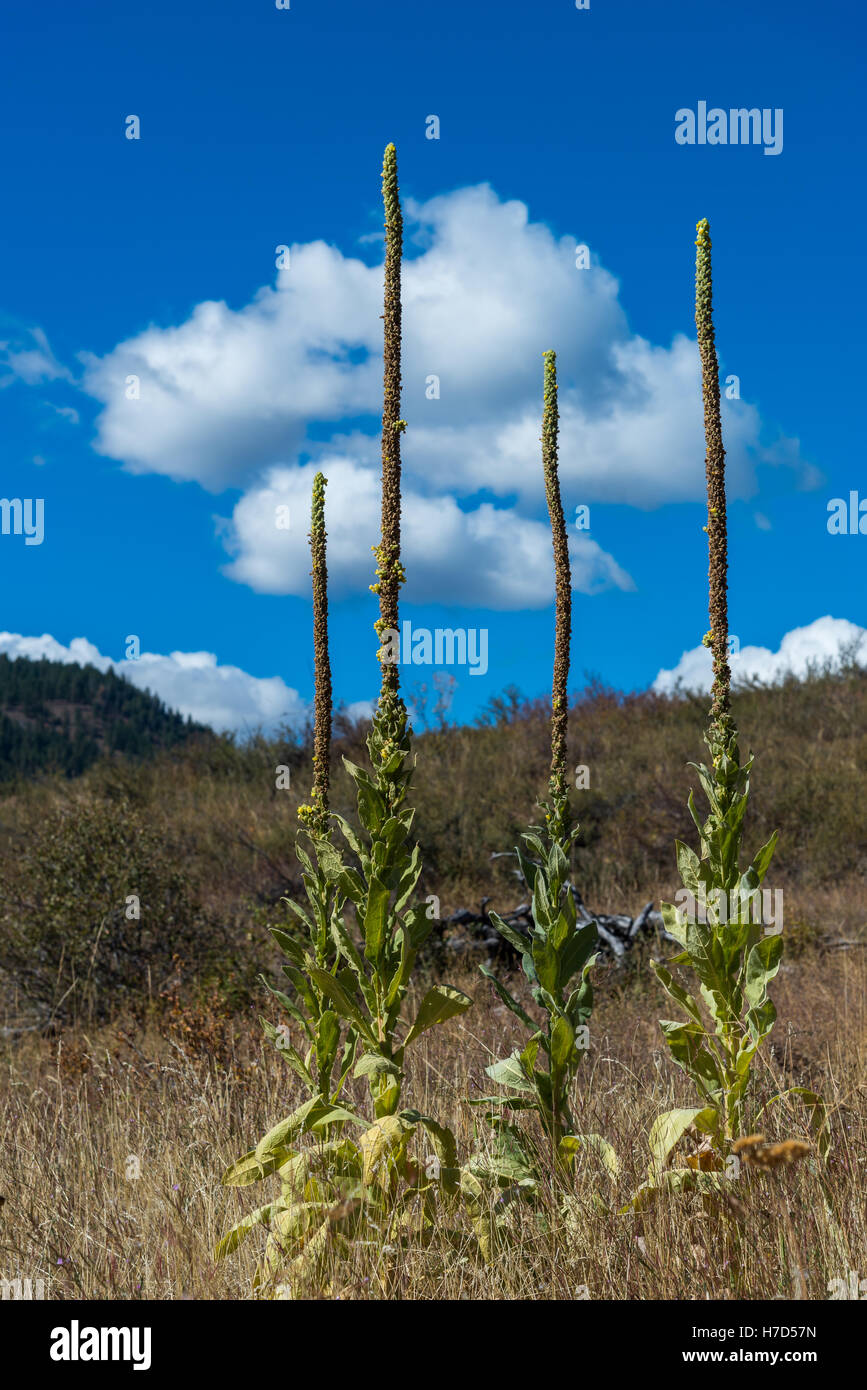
(674, 1180)
(386, 1138)
(232, 1239)
(296, 1123)
(249, 1169)
(571, 1144)
(440, 1002)
(294, 1221)
(445, 1147)
(508, 1160)
(337, 1115)
(669, 1128)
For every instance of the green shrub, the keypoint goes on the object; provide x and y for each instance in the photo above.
(69, 937)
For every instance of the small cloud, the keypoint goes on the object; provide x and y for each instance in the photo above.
(359, 709)
(762, 521)
(38, 460)
(66, 411)
(32, 364)
(823, 642)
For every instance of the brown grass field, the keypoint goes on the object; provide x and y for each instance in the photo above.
(186, 1101)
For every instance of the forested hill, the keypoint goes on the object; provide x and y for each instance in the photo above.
(59, 719)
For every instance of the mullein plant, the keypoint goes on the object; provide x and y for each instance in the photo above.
(300, 1220)
(721, 932)
(321, 917)
(369, 992)
(558, 956)
(351, 988)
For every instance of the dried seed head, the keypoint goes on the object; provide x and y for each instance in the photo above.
(558, 815)
(721, 722)
(778, 1155)
(316, 815)
(389, 732)
(759, 1154)
(389, 571)
(748, 1141)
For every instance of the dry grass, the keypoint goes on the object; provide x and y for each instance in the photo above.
(189, 1096)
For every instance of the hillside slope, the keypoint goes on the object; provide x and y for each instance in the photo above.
(59, 719)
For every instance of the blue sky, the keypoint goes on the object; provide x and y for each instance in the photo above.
(262, 127)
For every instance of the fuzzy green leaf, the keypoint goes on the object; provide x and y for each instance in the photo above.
(669, 1128)
(440, 1003)
(510, 1072)
(376, 920)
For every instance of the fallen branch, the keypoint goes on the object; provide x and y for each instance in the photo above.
(617, 932)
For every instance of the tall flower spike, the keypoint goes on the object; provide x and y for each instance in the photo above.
(315, 816)
(389, 570)
(718, 637)
(558, 783)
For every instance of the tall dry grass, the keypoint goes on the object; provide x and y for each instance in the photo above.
(184, 1096)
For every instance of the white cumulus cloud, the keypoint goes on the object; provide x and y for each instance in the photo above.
(488, 556)
(230, 392)
(820, 642)
(247, 397)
